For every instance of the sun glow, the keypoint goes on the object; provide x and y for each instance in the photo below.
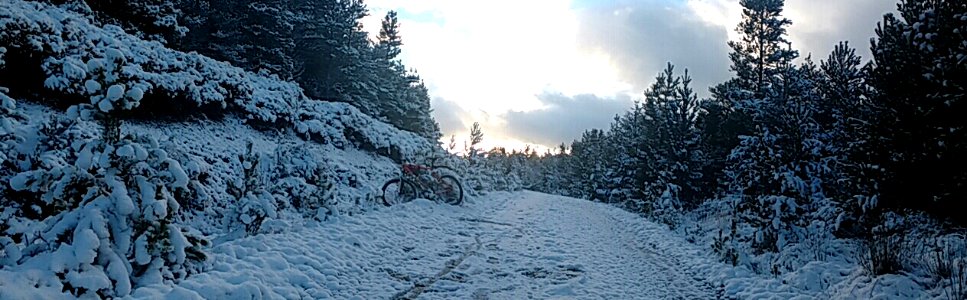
(489, 59)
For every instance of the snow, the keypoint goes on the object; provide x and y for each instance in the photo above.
(92, 86)
(85, 245)
(506, 246)
(821, 267)
(30, 284)
(115, 92)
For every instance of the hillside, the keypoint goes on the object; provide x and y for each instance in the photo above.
(124, 160)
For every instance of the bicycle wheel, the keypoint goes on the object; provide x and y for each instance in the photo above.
(449, 190)
(396, 191)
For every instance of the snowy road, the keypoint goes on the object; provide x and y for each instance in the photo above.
(504, 246)
(540, 246)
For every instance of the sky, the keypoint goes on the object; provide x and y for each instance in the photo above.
(541, 72)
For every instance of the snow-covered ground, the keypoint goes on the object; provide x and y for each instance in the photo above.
(504, 246)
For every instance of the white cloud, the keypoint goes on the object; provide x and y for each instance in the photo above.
(494, 56)
(642, 36)
(565, 118)
(819, 24)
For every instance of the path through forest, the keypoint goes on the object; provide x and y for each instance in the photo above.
(502, 246)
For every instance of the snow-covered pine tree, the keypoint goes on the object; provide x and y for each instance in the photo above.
(403, 99)
(149, 19)
(254, 203)
(591, 162)
(846, 115)
(476, 137)
(673, 108)
(656, 138)
(332, 51)
(8, 118)
(750, 107)
(530, 170)
(756, 59)
(518, 166)
(103, 207)
(477, 174)
(417, 117)
(780, 171)
(920, 75)
(628, 133)
(395, 100)
(254, 35)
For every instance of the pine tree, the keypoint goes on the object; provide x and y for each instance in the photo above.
(590, 162)
(846, 113)
(417, 116)
(476, 136)
(150, 19)
(389, 41)
(332, 50)
(919, 71)
(635, 169)
(761, 53)
(254, 35)
(672, 106)
(757, 60)
(778, 171)
(403, 99)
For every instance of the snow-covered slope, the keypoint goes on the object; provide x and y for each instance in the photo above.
(95, 205)
(67, 47)
(355, 177)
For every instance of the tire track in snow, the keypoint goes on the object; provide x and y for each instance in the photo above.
(503, 246)
(564, 247)
(419, 287)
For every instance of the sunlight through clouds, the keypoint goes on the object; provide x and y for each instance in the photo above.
(495, 56)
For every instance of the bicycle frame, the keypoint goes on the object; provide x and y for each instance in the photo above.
(413, 172)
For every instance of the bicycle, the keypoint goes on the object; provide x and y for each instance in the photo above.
(423, 181)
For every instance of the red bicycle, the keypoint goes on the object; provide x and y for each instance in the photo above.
(423, 181)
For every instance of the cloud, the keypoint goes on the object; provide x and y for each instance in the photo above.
(564, 118)
(640, 37)
(495, 55)
(449, 115)
(818, 25)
